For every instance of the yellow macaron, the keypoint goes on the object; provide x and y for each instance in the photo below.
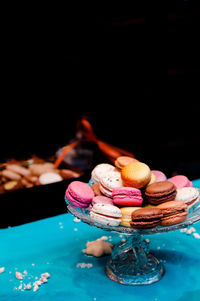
(136, 174)
(153, 179)
(126, 215)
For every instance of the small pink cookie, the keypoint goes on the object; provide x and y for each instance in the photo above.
(79, 194)
(160, 176)
(127, 196)
(181, 181)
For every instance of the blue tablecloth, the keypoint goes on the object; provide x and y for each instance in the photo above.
(55, 245)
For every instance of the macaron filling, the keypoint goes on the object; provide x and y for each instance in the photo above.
(115, 217)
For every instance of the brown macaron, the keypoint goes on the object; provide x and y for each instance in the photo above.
(174, 212)
(146, 218)
(160, 192)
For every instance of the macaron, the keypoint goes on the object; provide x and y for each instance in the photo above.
(106, 214)
(79, 194)
(122, 161)
(146, 218)
(160, 192)
(136, 174)
(127, 196)
(152, 180)
(126, 215)
(174, 212)
(102, 200)
(189, 195)
(101, 170)
(110, 181)
(160, 176)
(180, 181)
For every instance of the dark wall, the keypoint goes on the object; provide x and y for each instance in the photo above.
(134, 74)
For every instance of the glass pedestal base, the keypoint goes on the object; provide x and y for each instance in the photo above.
(132, 264)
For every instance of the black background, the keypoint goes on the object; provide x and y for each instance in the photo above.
(133, 71)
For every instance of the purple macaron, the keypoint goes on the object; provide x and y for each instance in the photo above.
(79, 194)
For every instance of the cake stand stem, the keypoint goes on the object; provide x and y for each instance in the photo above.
(132, 264)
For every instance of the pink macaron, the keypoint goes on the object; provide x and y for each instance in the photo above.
(127, 196)
(79, 194)
(160, 176)
(100, 199)
(181, 181)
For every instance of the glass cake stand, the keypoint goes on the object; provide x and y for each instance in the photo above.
(131, 262)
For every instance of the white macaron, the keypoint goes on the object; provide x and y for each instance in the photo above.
(101, 170)
(110, 181)
(189, 195)
(106, 214)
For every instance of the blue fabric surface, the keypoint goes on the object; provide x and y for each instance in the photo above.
(55, 245)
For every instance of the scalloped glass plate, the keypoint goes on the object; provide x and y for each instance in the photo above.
(84, 215)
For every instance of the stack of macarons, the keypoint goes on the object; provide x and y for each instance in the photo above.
(130, 194)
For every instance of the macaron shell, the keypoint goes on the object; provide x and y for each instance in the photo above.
(128, 191)
(107, 209)
(136, 174)
(122, 161)
(174, 219)
(159, 189)
(75, 202)
(126, 215)
(102, 200)
(147, 213)
(101, 170)
(128, 201)
(127, 211)
(172, 207)
(160, 176)
(163, 199)
(108, 221)
(180, 181)
(109, 182)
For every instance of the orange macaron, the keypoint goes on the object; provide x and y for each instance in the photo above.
(136, 174)
(122, 161)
